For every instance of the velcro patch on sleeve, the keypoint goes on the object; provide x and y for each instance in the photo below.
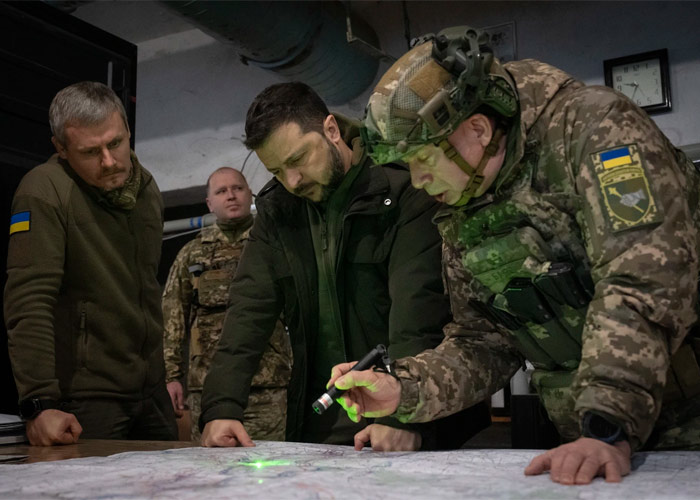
(628, 200)
(20, 222)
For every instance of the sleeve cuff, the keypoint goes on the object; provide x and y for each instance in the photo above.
(221, 411)
(409, 394)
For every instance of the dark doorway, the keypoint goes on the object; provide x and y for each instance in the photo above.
(42, 50)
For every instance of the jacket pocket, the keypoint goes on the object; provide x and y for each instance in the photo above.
(370, 241)
(213, 287)
(82, 337)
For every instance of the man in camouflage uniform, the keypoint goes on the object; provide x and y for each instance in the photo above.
(571, 242)
(194, 305)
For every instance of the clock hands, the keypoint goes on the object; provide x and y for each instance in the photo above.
(636, 87)
(641, 91)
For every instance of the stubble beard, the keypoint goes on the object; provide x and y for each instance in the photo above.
(336, 173)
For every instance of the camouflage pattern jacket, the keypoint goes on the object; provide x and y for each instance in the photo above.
(606, 191)
(194, 306)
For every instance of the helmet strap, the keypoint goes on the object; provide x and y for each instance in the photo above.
(476, 175)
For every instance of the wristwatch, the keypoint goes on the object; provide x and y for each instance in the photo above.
(598, 427)
(31, 407)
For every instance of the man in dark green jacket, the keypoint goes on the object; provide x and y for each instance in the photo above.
(348, 254)
(82, 303)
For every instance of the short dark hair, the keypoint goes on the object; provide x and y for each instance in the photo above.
(282, 103)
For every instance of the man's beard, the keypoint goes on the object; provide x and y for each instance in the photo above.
(336, 171)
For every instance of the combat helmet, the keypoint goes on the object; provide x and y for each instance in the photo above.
(430, 90)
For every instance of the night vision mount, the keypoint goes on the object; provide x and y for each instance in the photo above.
(466, 54)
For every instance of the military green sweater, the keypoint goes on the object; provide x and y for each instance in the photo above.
(82, 303)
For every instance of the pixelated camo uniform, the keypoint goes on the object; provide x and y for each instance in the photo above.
(588, 180)
(194, 310)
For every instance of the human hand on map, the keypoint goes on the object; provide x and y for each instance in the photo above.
(385, 438)
(53, 427)
(369, 394)
(582, 460)
(225, 433)
(176, 397)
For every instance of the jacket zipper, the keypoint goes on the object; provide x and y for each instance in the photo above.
(130, 224)
(83, 335)
(324, 239)
(330, 272)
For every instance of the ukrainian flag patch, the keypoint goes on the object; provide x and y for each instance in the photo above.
(616, 157)
(628, 199)
(20, 222)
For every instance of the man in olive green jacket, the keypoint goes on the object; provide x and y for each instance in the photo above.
(82, 303)
(348, 252)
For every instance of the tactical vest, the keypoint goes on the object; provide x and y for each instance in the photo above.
(212, 275)
(532, 275)
(211, 279)
(212, 272)
(532, 279)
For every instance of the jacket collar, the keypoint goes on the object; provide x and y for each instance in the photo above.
(95, 193)
(371, 181)
(213, 234)
(537, 83)
(447, 211)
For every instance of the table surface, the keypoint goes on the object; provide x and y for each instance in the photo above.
(85, 448)
(175, 470)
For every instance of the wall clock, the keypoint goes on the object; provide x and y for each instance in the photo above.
(643, 78)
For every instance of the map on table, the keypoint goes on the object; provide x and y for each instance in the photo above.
(298, 471)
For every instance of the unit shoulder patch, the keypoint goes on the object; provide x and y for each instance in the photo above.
(628, 200)
(20, 222)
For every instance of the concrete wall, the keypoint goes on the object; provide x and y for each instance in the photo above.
(193, 91)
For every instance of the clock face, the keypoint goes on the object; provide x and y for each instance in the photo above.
(640, 81)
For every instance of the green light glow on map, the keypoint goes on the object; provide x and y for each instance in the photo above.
(260, 481)
(261, 464)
